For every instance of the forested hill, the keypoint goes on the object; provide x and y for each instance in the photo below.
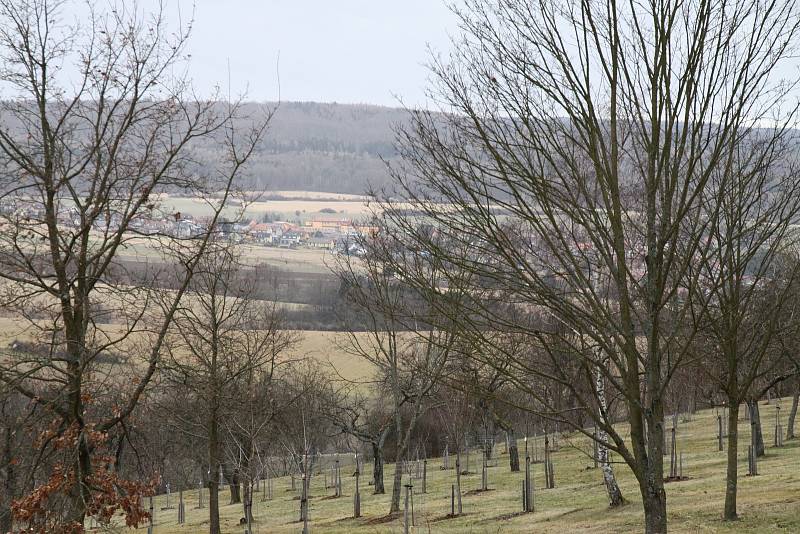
(324, 147)
(309, 146)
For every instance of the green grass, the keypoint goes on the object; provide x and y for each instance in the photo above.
(769, 502)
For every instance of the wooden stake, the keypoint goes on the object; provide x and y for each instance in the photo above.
(181, 509)
(528, 486)
(152, 517)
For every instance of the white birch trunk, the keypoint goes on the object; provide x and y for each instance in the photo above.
(603, 460)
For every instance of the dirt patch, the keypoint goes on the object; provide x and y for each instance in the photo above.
(504, 517)
(478, 491)
(383, 519)
(361, 521)
(446, 517)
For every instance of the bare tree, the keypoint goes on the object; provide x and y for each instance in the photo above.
(85, 160)
(586, 126)
(407, 353)
(257, 399)
(221, 342)
(751, 274)
(305, 429)
(364, 417)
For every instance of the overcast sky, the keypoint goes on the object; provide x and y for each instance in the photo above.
(349, 51)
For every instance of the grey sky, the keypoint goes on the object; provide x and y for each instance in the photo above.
(355, 51)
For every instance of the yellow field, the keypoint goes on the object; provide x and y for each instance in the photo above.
(306, 195)
(318, 346)
(283, 209)
(323, 347)
(301, 260)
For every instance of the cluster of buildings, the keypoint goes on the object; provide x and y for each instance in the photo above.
(319, 232)
(328, 233)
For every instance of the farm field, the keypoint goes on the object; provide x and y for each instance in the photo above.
(302, 260)
(296, 260)
(315, 345)
(306, 195)
(292, 209)
(769, 502)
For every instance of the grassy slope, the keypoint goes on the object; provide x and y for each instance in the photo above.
(767, 503)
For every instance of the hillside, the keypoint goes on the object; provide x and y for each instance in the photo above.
(769, 502)
(334, 148)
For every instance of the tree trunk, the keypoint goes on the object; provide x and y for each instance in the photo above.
(396, 486)
(248, 502)
(648, 440)
(609, 479)
(394, 506)
(402, 449)
(647, 435)
(654, 499)
(377, 469)
(79, 493)
(755, 426)
(731, 479)
(792, 416)
(236, 494)
(213, 478)
(9, 484)
(513, 451)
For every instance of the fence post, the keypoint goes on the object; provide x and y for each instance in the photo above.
(357, 495)
(424, 476)
(458, 481)
(484, 475)
(673, 455)
(524, 498)
(528, 486)
(152, 517)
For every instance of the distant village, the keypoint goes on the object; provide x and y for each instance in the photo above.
(334, 233)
